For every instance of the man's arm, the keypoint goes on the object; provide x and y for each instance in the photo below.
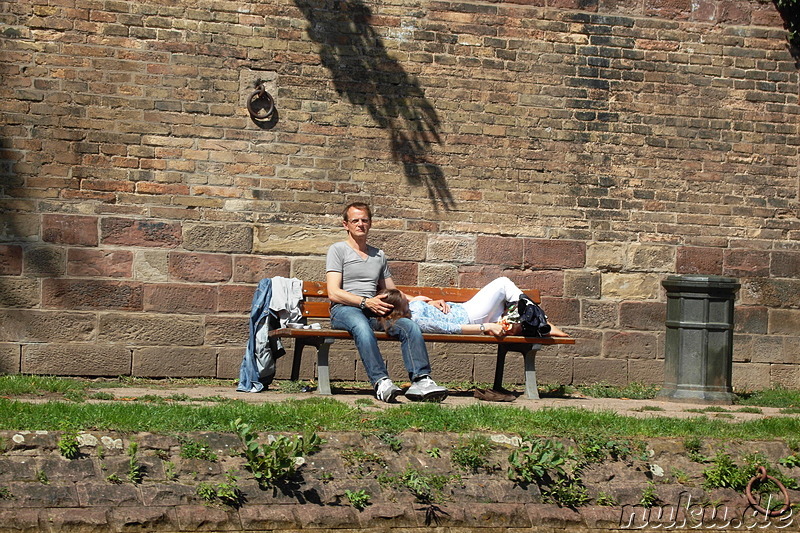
(333, 280)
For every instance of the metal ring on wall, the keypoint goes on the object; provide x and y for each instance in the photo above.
(261, 105)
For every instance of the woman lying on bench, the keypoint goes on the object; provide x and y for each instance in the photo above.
(481, 314)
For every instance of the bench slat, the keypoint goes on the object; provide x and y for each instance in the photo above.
(429, 337)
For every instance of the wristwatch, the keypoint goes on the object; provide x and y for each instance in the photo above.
(363, 303)
(483, 329)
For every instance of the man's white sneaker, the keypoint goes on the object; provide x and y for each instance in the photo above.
(426, 390)
(386, 391)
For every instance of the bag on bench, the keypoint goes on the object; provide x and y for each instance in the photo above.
(532, 317)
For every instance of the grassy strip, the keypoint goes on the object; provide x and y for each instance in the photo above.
(320, 414)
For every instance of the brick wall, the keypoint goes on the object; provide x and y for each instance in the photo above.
(588, 149)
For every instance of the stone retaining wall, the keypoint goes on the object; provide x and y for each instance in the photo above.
(588, 149)
(43, 491)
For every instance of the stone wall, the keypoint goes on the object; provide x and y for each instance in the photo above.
(585, 148)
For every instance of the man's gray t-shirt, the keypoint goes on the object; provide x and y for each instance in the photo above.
(359, 276)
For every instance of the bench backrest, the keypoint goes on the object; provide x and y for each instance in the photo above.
(316, 304)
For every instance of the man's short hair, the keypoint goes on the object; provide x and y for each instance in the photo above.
(358, 205)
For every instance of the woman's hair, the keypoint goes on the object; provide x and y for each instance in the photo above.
(395, 298)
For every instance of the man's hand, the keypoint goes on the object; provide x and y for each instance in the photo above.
(378, 306)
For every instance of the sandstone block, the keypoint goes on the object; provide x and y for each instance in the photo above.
(767, 349)
(150, 329)
(562, 311)
(750, 319)
(550, 283)
(699, 260)
(437, 275)
(10, 359)
(599, 313)
(205, 518)
(91, 294)
(606, 256)
(742, 348)
(779, 293)
(88, 262)
(555, 254)
(76, 359)
(68, 517)
(651, 258)
(553, 370)
(785, 264)
(16, 227)
(10, 260)
(401, 245)
(630, 345)
(643, 315)
(787, 376)
(151, 265)
(749, 263)
(503, 251)
(278, 239)
(590, 370)
(226, 330)
(174, 361)
(202, 268)
(403, 272)
(134, 232)
(784, 322)
(646, 371)
(484, 368)
(143, 518)
(46, 326)
(252, 269)
(631, 286)
(451, 249)
(456, 366)
(236, 238)
(235, 298)
(19, 292)
(229, 361)
(750, 376)
(180, 298)
(44, 261)
(324, 517)
(308, 269)
(580, 284)
(267, 517)
(70, 229)
(791, 350)
(477, 276)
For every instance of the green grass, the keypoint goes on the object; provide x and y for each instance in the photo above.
(633, 391)
(773, 397)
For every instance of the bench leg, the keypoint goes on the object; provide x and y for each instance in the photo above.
(323, 371)
(531, 387)
(297, 358)
(499, 366)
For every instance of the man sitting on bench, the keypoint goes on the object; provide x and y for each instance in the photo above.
(355, 272)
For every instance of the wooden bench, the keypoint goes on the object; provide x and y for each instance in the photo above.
(316, 305)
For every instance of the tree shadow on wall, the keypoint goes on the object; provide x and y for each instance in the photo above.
(790, 12)
(365, 74)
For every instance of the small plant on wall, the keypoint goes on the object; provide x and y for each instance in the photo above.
(790, 11)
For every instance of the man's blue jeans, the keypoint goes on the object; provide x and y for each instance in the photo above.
(361, 327)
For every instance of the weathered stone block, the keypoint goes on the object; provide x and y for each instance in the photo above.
(143, 518)
(400, 245)
(750, 376)
(203, 268)
(70, 229)
(554, 254)
(150, 329)
(699, 260)
(10, 359)
(631, 286)
(562, 311)
(643, 315)
(19, 292)
(787, 376)
(73, 359)
(19, 227)
(630, 345)
(485, 366)
(456, 366)
(779, 293)
(133, 232)
(553, 370)
(767, 349)
(180, 298)
(550, 283)
(92, 294)
(477, 276)
(235, 298)
(451, 249)
(403, 272)
(784, 322)
(437, 275)
(46, 326)
(580, 284)
(308, 269)
(70, 517)
(751, 263)
(785, 264)
(173, 361)
(229, 361)
(267, 517)
(503, 251)
(87, 262)
(750, 319)
(590, 370)
(606, 256)
(205, 518)
(151, 265)
(44, 261)
(278, 239)
(218, 237)
(599, 313)
(651, 258)
(252, 269)
(10, 260)
(226, 330)
(646, 371)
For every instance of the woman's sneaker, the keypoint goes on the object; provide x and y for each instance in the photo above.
(426, 390)
(386, 391)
